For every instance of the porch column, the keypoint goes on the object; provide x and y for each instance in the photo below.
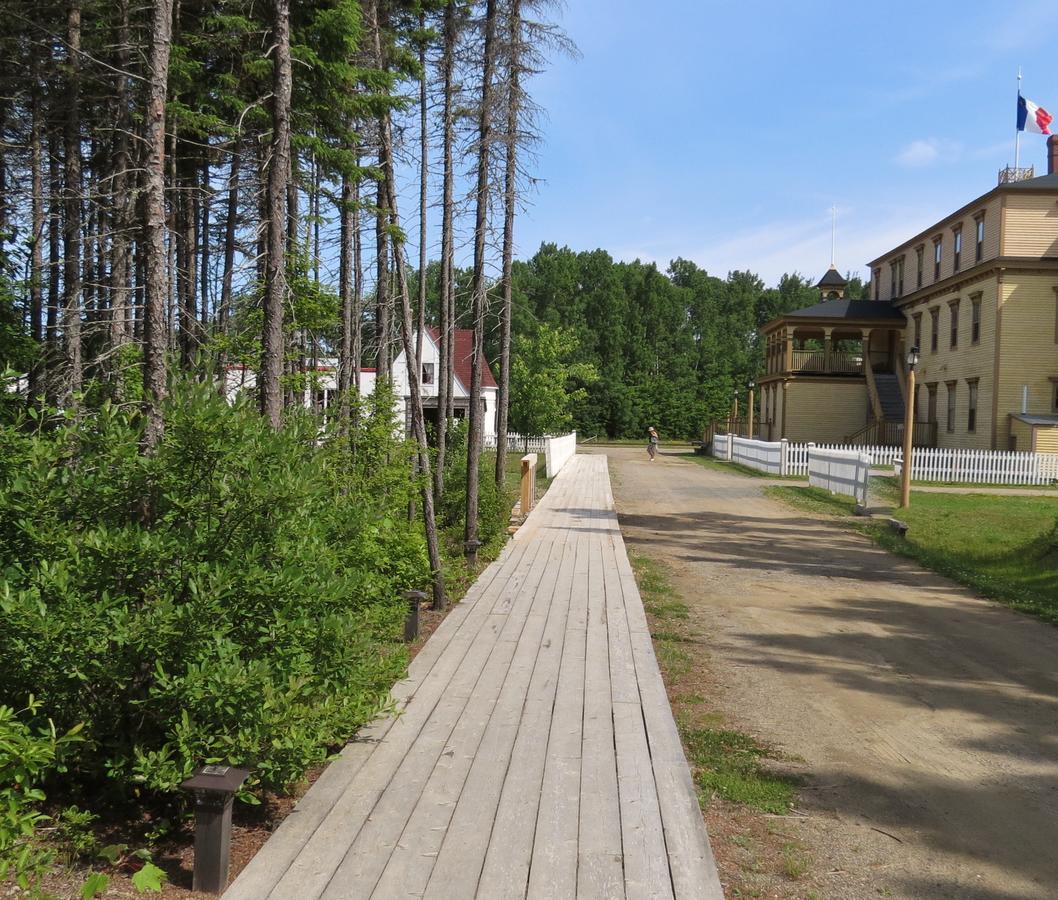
(827, 343)
(788, 336)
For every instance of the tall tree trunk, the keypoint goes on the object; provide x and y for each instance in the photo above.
(121, 264)
(36, 262)
(382, 299)
(205, 195)
(357, 349)
(510, 197)
(417, 422)
(478, 286)
(423, 177)
(155, 287)
(445, 380)
(278, 181)
(345, 292)
(230, 225)
(55, 204)
(72, 274)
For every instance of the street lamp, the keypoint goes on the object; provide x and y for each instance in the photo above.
(909, 427)
(749, 428)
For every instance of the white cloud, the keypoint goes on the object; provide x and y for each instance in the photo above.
(927, 152)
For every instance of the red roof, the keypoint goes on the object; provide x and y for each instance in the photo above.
(464, 351)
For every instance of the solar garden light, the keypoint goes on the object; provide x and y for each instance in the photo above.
(214, 787)
(411, 622)
(909, 427)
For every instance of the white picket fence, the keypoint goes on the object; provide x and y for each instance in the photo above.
(558, 451)
(517, 442)
(766, 456)
(840, 472)
(798, 455)
(980, 466)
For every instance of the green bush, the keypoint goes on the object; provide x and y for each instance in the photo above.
(235, 597)
(27, 755)
(494, 506)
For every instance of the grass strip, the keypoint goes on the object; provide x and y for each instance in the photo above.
(725, 762)
(1003, 547)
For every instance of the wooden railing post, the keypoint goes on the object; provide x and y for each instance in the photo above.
(528, 485)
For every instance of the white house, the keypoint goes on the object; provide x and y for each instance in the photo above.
(325, 385)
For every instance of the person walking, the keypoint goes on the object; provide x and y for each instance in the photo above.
(652, 445)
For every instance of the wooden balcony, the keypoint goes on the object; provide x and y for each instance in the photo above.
(815, 362)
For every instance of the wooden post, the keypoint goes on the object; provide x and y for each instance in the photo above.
(749, 416)
(909, 427)
(828, 355)
(528, 493)
(789, 349)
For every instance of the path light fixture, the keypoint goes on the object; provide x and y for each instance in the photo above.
(749, 414)
(214, 787)
(909, 427)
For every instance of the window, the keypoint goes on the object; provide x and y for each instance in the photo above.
(427, 373)
(975, 319)
(918, 330)
(920, 255)
(938, 249)
(954, 307)
(931, 407)
(934, 329)
(900, 277)
(957, 253)
(951, 405)
(894, 289)
(979, 237)
(1054, 395)
(971, 411)
(876, 277)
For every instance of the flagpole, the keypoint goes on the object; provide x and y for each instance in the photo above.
(833, 231)
(1017, 131)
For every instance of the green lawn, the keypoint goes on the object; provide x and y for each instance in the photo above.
(1005, 548)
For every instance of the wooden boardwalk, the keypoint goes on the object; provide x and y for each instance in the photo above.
(535, 754)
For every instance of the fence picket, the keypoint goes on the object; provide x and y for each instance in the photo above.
(959, 466)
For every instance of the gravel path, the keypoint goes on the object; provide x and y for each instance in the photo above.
(927, 717)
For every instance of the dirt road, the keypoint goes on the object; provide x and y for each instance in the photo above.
(927, 718)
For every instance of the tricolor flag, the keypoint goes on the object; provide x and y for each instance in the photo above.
(1032, 117)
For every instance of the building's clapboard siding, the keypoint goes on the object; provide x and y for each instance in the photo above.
(967, 361)
(825, 411)
(992, 210)
(1046, 439)
(1028, 354)
(1031, 225)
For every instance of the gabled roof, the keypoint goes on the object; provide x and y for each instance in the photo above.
(871, 310)
(464, 354)
(832, 278)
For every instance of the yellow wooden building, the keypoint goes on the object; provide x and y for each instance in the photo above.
(977, 292)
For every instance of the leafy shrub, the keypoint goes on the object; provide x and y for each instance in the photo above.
(234, 597)
(494, 506)
(27, 755)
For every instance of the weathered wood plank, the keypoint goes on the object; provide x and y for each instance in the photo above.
(535, 754)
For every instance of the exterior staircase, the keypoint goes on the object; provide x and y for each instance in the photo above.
(890, 396)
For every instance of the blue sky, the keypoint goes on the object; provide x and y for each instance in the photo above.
(724, 131)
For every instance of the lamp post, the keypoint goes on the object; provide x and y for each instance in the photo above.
(909, 427)
(749, 413)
